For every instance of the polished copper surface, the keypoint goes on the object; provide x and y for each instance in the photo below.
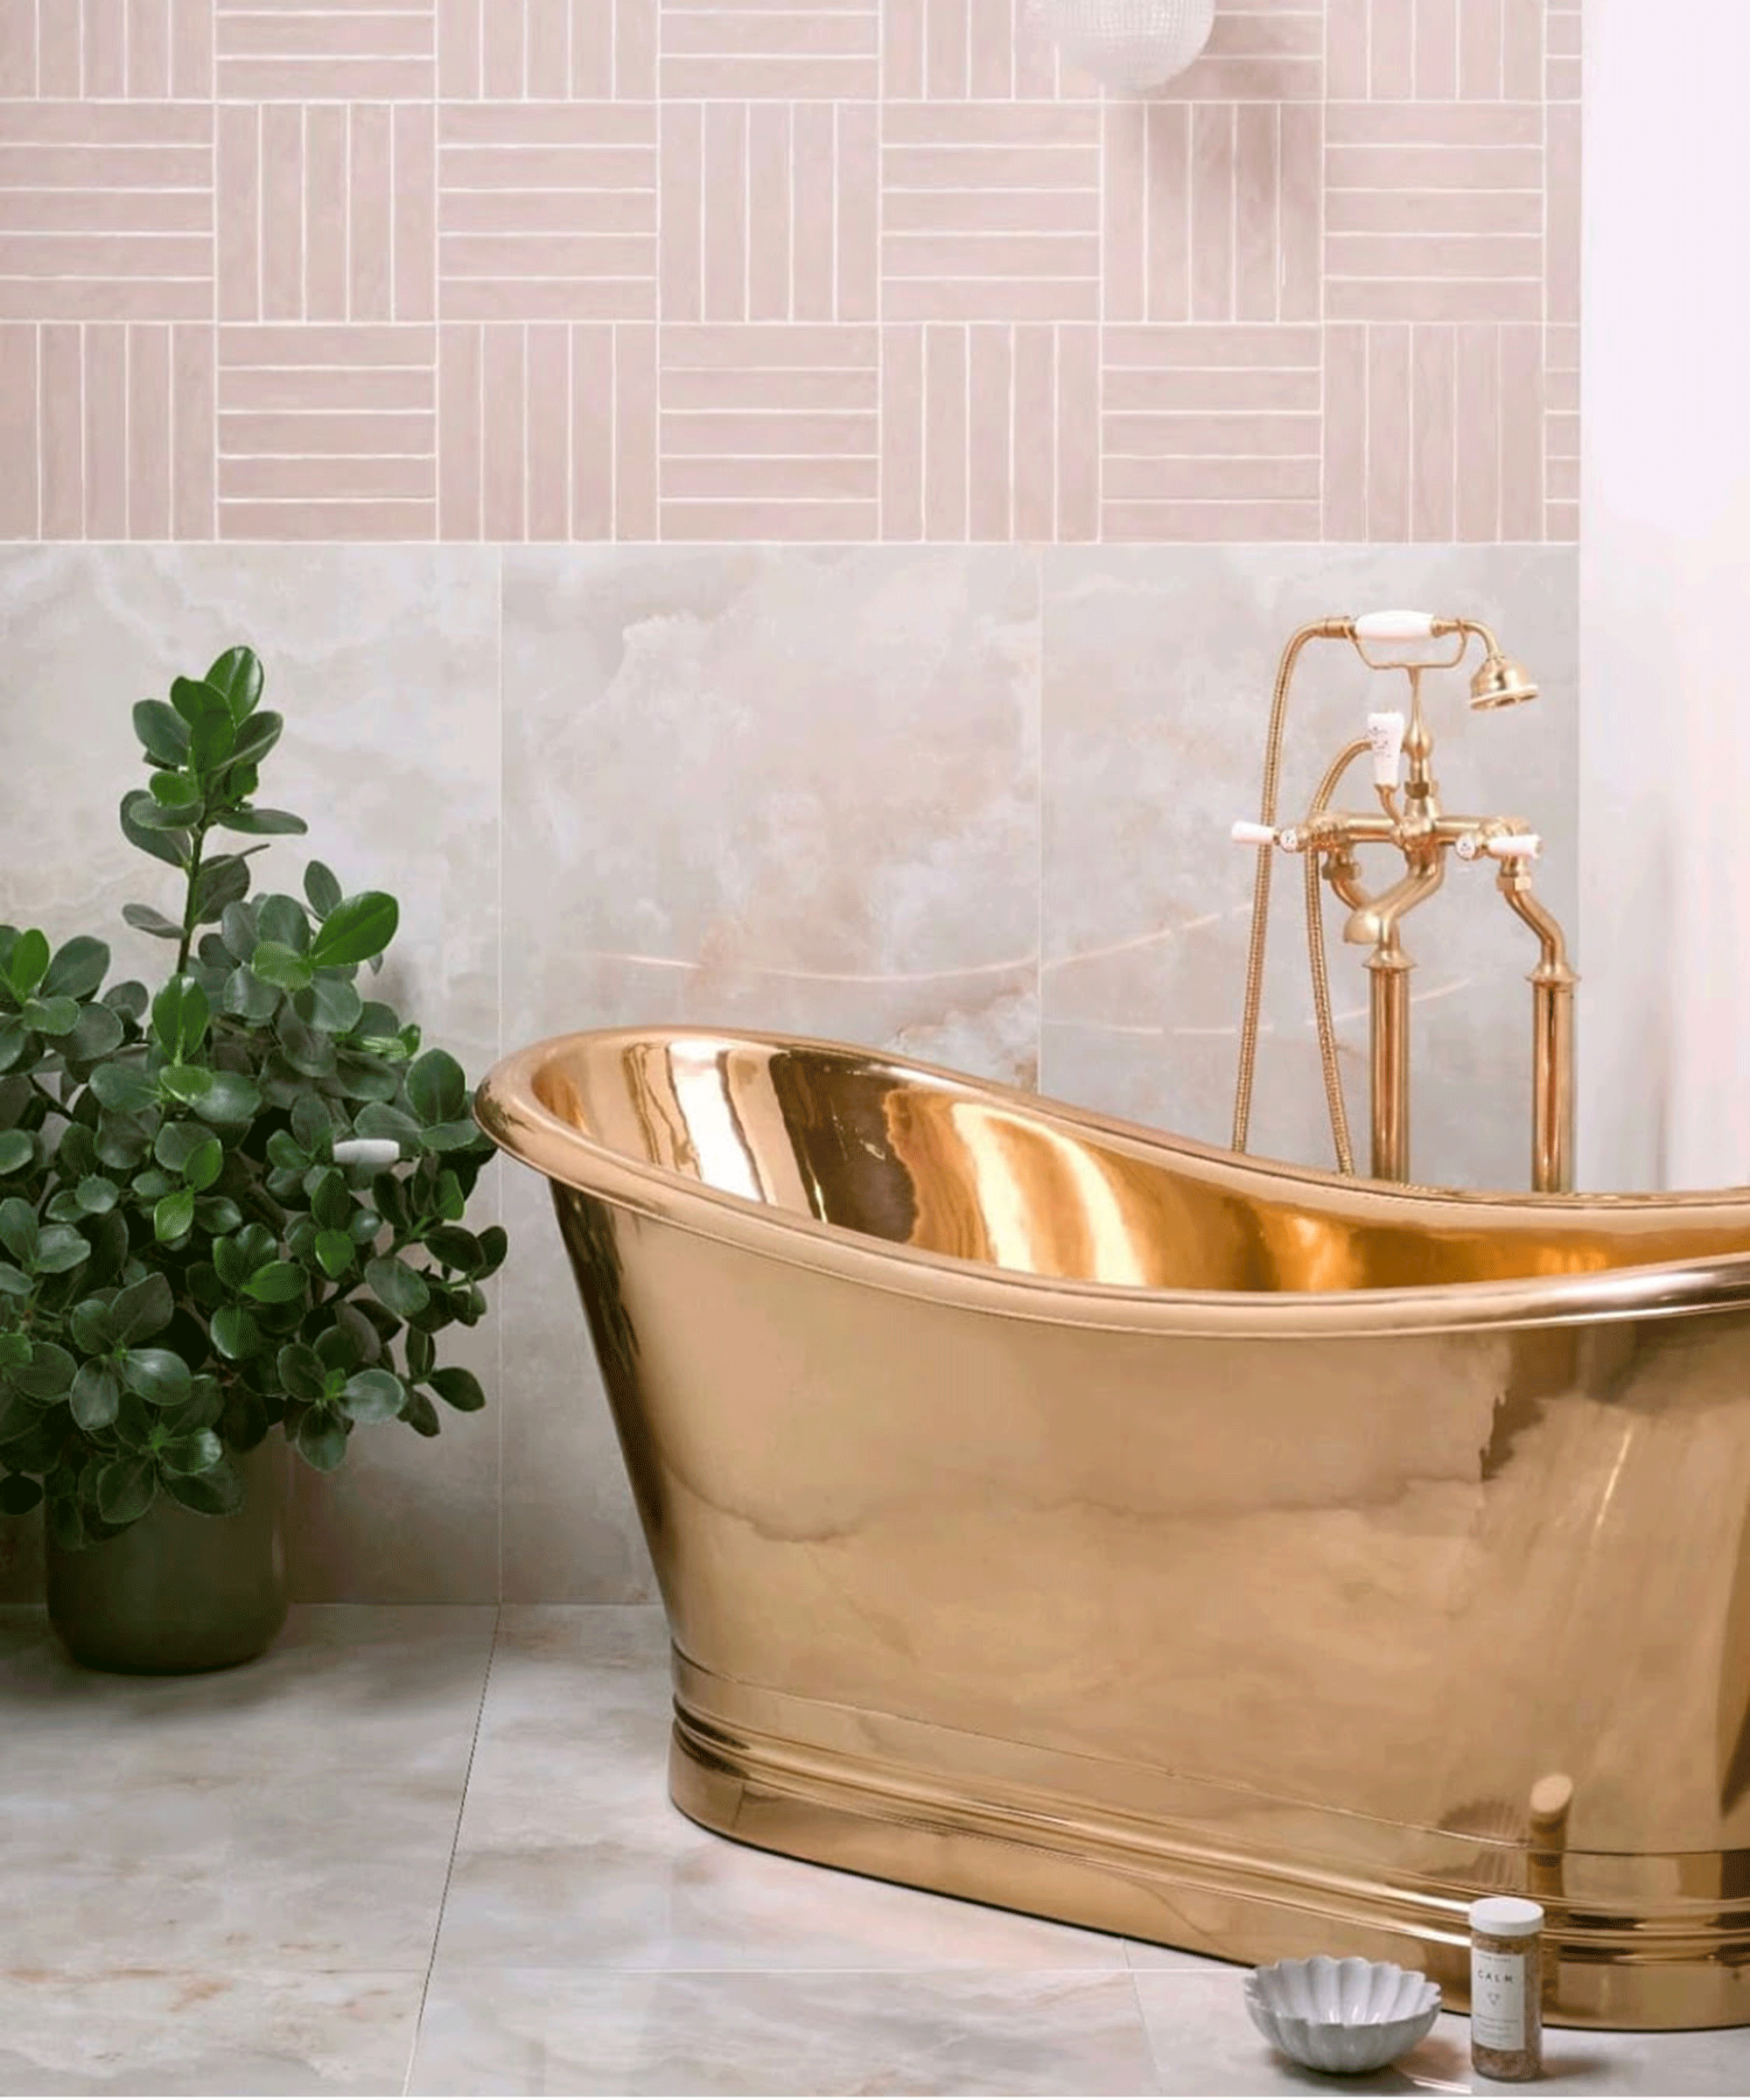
(1236, 1556)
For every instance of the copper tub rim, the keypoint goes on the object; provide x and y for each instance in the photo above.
(510, 1111)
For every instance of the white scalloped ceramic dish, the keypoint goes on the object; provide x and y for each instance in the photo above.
(1344, 2016)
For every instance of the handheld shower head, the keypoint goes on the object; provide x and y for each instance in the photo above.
(1501, 683)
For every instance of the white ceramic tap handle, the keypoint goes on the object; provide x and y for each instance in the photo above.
(1395, 626)
(1247, 833)
(1385, 736)
(1517, 845)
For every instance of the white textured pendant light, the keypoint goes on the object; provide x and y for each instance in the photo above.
(1129, 43)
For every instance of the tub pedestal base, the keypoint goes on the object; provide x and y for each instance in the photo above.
(1634, 1942)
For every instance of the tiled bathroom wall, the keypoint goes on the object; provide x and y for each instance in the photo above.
(783, 269)
(971, 803)
(783, 296)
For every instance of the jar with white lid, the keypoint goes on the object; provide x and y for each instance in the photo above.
(1506, 1988)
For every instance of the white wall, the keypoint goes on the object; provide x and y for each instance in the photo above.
(1665, 594)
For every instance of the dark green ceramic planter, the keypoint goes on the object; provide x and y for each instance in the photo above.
(177, 1591)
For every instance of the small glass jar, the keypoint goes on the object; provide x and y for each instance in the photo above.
(1506, 1988)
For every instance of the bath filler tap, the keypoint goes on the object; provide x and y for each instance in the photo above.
(1409, 819)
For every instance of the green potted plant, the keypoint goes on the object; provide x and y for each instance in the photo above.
(231, 1212)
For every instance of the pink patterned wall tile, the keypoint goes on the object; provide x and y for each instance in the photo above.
(1212, 211)
(1433, 433)
(548, 431)
(1211, 433)
(737, 50)
(1459, 236)
(770, 211)
(999, 216)
(547, 211)
(1436, 50)
(956, 49)
(766, 418)
(817, 268)
(105, 211)
(324, 51)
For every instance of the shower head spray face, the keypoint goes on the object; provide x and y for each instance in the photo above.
(1128, 44)
(1501, 683)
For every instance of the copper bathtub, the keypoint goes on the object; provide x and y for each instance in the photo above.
(1095, 1523)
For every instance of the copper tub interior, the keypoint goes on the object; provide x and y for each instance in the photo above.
(1060, 1514)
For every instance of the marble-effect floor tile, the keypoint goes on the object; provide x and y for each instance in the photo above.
(206, 2031)
(294, 1813)
(974, 2032)
(568, 1798)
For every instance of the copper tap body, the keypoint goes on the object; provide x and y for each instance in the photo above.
(1424, 835)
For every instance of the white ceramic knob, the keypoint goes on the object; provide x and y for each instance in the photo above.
(1395, 626)
(1254, 835)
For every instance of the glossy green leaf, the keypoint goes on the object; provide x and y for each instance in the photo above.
(437, 1087)
(126, 1489)
(356, 929)
(461, 1389)
(13, 1036)
(301, 1371)
(13, 1282)
(334, 1250)
(276, 963)
(237, 678)
(95, 1034)
(256, 738)
(284, 920)
(145, 919)
(276, 1283)
(197, 1454)
(173, 1215)
(321, 888)
(171, 847)
(206, 1167)
(17, 1149)
(162, 731)
(251, 999)
(377, 1119)
(264, 823)
(97, 1193)
(400, 1287)
(158, 1376)
(373, 1396)
(19, 1230)
(177, 1144)
(28, 964)
(189, 1084)
(96, 1395)
(222, 882)
(307, 1050)
(218, 1492)
(236, 1334)
(77, 970)
(142, 1308)
(53, 1018)
(420, 1416)
(230, 1098)
(123, 1087)
(180, 1014)
(322, 1439)
(331, 1002)
(49, 1374)
(58, 1249)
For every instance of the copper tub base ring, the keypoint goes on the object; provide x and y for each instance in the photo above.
(1288, 1881)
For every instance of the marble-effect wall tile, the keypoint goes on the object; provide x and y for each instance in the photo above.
(1158, 668)
(384, 662)
(768, 789)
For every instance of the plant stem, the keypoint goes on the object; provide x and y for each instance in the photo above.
(188, 907)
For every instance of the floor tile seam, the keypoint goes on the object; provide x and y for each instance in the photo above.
(449, 1862)
(1009, 1971)
(1151, 2054)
